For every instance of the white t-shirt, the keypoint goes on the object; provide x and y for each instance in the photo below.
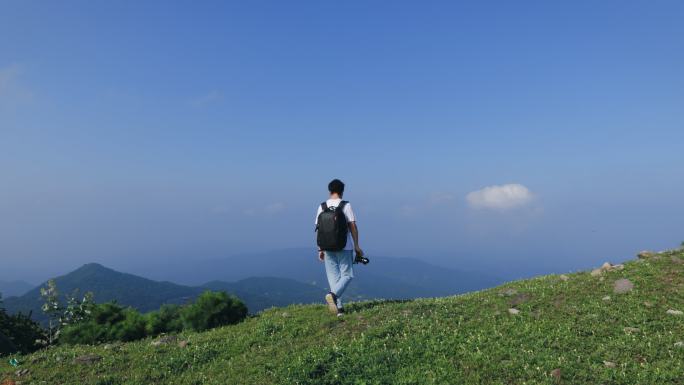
(348, 213)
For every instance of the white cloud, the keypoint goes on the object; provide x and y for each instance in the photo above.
(501, 197)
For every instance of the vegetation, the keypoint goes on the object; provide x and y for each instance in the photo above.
(569, 330)
(112, 322)
(18, 333)
(213, 309)
(167, 320)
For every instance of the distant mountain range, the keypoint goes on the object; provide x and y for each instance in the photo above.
(276, 279)
(147, 295)
(384, 277)
(14, 288)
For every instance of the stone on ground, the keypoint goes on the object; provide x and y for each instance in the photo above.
(87, 359)
(609, 364)
(165, 340)
(513, 311)
(674, 312)
(622, 286)
(646, 254)
(563, 277)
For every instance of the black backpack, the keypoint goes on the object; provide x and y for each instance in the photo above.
(332, 228)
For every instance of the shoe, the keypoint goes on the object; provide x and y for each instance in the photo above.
(340, 312)
(331, 300)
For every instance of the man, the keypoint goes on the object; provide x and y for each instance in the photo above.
(335, 223)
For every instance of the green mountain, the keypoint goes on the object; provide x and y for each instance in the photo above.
(618, 325)
(107, 285)
(144, 294)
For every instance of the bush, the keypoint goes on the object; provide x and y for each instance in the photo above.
(109, 322)
(167, 319)
(18, 333)
(213, 309)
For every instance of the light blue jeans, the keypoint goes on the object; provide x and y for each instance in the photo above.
(338, 268)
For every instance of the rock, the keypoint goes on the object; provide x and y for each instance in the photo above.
(107, 347)
(630, 330)
(648, 304)
(674, 312)
(520, 298)
(183, 344)
(508, 292)
(676, 259)
(35, 360)
(646, 254)
(679, 344)
(21, 372)
(285, 314)
(513, 311)
(606, 266)
(619, 266)
(165, 340)
(87, 359)
(596, 272)
(556, 374)
(622, 286)
(563, 277)
(606, 298)
(609, 364)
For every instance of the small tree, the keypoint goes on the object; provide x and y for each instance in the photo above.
(77, 310)
(213, 309)
(18, 333)
(168, 319)
(52, 308)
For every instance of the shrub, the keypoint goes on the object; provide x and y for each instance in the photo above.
(18, 333)
(167, 319)
(108, 322)
(111, 322)
(213, 309)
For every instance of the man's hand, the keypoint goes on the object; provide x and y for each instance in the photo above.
(321, 255)
(359, 252)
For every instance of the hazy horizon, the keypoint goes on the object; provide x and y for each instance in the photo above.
(510, 137)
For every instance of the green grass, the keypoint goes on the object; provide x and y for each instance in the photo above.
(466, 339)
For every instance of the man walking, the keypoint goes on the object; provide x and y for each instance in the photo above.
(335, 223)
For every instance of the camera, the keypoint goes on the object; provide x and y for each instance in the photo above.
(361, 259)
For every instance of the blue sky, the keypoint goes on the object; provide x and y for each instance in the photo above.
(151, 131)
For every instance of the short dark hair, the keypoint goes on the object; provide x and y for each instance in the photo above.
(336, 186)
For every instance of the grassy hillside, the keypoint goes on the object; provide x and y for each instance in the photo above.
(574, 327)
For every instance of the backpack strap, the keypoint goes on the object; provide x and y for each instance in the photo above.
(324, 206)
(341, 205)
